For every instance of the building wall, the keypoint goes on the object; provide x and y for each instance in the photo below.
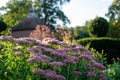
(19, 34)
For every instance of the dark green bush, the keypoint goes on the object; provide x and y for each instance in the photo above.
(110, 46)
(98, 27)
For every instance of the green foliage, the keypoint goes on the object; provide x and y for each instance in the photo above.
(113, 12)
(114, 18)
(3, 26)
(15, 12)
(108, 45)
(98, 56)
(114, 31)
(98, 27)
(113, 71)
(48, 10)
(10, 63)
(80, 32)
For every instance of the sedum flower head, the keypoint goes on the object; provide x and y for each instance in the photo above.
(49, 74)
(91, 74)
(77, 73)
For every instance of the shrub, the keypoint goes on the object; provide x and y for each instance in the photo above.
(51, 59)
(113, 70)
(80, 32)
(98, 27)
(108, 45)
(43, 31)
(99, 57)
(3, 26)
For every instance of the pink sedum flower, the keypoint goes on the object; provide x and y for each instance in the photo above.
(87, 57)
(6, 37)
(9, 38)
(35, 49)
(77, 73)
(56, 63)
(91, 74)
(102, 76)
(21, 40)
(70, 61)
(49, 74)
(39, 58)
(99, 65)
(39, 71)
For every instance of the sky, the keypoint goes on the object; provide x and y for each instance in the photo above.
(80, 11)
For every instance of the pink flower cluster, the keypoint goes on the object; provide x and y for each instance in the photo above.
(91, 74)
(41, 58)
(63, 34)
(24, 40)
(41, 32)
(56, 65)
(98, 65)
(77, 73)
(6, 38)
(35, 49)
(49, 74)
(71, 61)
(52, 40)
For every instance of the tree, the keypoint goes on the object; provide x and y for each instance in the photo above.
(98, 27)
(3, 26)
(80, 32)
(114, 12)
(51, 11)
(114, 31)
(114, 18)
(48, 10)
(16, 10)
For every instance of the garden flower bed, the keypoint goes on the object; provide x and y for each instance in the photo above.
(49, 59)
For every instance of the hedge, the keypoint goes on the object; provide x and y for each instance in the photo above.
(110, 46)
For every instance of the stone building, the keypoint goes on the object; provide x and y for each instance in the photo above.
(24, 28)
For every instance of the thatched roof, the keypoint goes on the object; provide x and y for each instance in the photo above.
(28, 24)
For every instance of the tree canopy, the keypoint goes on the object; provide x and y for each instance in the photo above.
(114, 18)
(16, 10)
(48, 10)
(114, 12)
(51, 11)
